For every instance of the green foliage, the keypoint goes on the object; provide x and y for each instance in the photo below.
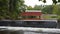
(39, 0)
(9, 9)
(36, 7)
(58, 0)
(44, 1)
(54, 17)
(47, 9)
(52, 9)
(54, 1)
(56, 9)
(29, 8)
(3, 8)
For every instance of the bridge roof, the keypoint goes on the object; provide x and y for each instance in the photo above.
(33, 11)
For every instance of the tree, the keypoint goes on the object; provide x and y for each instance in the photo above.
(58, 0)
(3, 8)
(37, 7)
(9, 9)
(54, 1)
(43, 1)
(47, 9)
(55, 9)
(29, 8)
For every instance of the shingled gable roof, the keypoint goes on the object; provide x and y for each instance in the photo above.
(31, 13)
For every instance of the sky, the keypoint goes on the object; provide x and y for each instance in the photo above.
(37, 2)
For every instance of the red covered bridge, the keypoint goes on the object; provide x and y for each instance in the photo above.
(31, 15)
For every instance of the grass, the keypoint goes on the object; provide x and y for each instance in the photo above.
(50, 17)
